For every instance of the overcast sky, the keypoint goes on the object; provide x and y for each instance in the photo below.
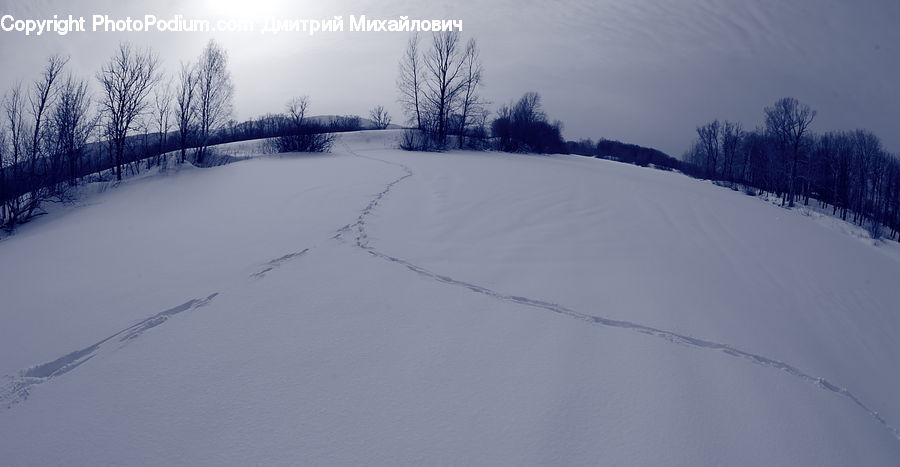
(646, 72)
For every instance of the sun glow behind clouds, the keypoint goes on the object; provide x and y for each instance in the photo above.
(244, 8)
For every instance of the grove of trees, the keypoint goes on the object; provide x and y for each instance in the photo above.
(45, 129)
(59, 129)
(624, 152)
(846, 171)
(523, 127)
(439, 91)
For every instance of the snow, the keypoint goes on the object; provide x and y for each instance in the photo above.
(375, 306)
(249, 148)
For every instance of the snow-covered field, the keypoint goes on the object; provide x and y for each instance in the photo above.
(380, 307)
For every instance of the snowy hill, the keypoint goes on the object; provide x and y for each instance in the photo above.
(375, 306)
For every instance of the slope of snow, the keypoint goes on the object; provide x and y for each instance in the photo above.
(381, 307)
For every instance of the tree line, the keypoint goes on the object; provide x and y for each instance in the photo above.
(624, 152)
(56, 133)
(48, 124)
(847, 171)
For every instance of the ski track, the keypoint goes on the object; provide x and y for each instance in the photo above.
(362, 242)
(19, 387)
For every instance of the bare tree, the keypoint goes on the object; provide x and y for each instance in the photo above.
(300, 135)
(184, 106)
(43, 94)
(444, 80)
(866, 150)
(410, 81)
(126, 81)
(788, 121)
(14, 107)
(73, 125)
(162, 100)
(380, 117)
(731, 139)
(709, 143)
(214, 94)
(144, 127)
(438, 89)
(471, 105)
(2, 176)
(296, 108)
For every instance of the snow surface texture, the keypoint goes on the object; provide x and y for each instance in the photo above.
(375, 306)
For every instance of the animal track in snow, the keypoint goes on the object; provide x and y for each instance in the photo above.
(362, 241)
(277, 262)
